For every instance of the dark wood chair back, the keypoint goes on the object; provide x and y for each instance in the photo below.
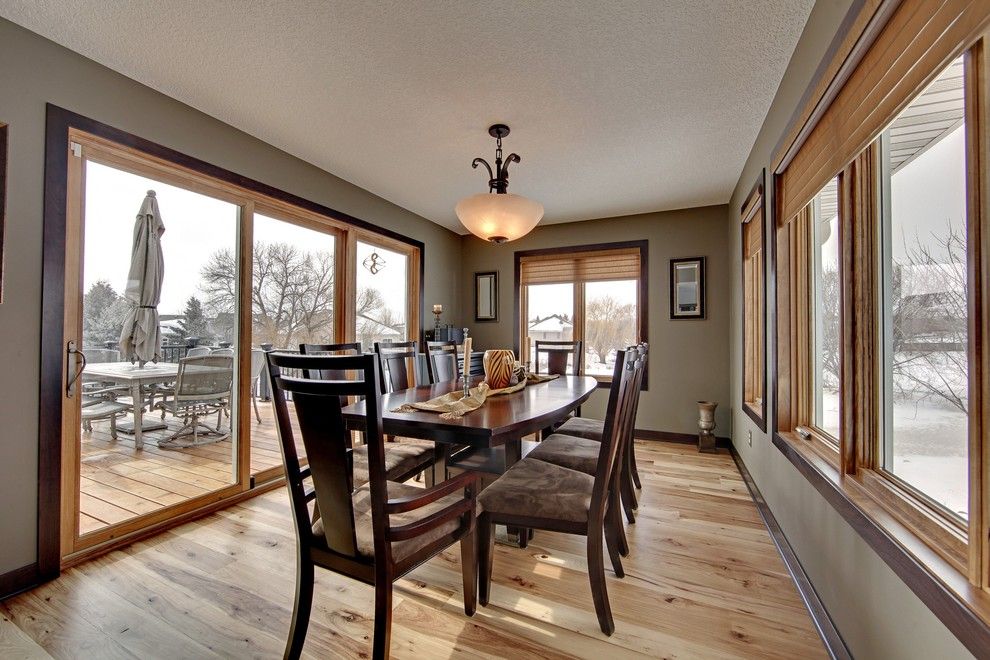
(441, 360)
(396, 363)
(618, 421)
(317, 407)
(316, 404)
(557, 353)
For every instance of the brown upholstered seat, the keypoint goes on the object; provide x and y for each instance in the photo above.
(540, 489)
(583, 427)
(569, 451)
(401, 460)
(364, 531)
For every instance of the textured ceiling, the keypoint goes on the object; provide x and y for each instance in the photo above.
(615, 107)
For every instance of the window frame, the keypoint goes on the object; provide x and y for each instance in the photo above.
(944, 563)
(642, 306)
(754, 210)
(119, 149)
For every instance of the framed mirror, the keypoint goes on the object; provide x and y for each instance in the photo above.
(687, 288)
(486, 296)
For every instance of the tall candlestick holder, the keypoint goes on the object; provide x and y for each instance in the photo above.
(437, 311)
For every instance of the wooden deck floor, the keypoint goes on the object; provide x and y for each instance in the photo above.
(703, 580)
(118, 482)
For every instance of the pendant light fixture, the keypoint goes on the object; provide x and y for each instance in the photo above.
(502, 216)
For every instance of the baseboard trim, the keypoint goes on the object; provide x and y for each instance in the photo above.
(18, 580)
(670, 436)
(831, 638)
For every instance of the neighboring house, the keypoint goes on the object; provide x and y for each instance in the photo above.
(553, 328)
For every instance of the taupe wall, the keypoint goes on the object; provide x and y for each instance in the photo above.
(34, 72)
(688, 358)
(875, 612)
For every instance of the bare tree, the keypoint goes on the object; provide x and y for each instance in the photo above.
(291, 293)
(609, 325)
(930, 312)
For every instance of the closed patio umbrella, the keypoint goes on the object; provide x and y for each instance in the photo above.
(141, 339)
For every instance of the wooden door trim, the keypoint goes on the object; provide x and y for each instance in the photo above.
(59, 122)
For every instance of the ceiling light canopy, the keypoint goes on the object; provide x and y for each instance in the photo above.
(502, 216)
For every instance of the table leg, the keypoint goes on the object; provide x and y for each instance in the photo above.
(138, 406)
(513, 454)
(438, 474)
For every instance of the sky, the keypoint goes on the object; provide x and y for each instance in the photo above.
(547, 299)
(196, 226)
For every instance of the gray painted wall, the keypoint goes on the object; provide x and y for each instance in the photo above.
(687, 357)
(36, 71)
(875, 612)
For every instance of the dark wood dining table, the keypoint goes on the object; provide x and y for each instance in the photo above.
(503, 420)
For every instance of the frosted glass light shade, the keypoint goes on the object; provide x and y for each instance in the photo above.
(499, 218)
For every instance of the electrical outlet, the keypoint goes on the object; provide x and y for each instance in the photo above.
(749, 438)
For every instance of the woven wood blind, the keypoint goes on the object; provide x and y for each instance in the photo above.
(920, 38)
(591, 266)
(752, 217)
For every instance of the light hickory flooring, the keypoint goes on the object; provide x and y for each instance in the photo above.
(119, 482)
(704, 581)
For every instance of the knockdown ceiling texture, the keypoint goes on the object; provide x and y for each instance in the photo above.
(615, 107)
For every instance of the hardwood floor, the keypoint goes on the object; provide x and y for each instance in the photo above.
(703, 580)
(119, 482)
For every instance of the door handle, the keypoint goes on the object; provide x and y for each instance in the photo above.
(74, 368)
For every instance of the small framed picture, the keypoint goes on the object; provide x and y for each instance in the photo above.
(486, 296)
(687, 288)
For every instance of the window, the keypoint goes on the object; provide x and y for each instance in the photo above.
(594, 294)
(246, 269)
(754, 309)
(825, 313)
(382, 295)
(293, 289)
(882, 275)
(925, 394)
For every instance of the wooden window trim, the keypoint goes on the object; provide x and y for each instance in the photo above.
(642, 304)
(943, 563)
(754, 211)
(119, 147)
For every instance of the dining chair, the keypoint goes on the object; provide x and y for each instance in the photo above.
(581, 454)
(396, 362)
(557, 353)
(535, 494)
(441, 361)
(374, 533)
(403, 460)
(591, 429)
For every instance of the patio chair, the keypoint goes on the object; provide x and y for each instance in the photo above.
(202, 387)
(99, 404)
(257, 368)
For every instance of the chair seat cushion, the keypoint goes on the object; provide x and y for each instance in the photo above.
(569, 451)
(583, 427)
(364, 529)
(540, 489)
(400, 458)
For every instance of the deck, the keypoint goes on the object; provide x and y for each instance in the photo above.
(118, 482)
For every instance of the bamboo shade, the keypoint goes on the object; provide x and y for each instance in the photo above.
(591, 266)
(918, 41)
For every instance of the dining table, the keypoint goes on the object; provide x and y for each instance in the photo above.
(502, 421)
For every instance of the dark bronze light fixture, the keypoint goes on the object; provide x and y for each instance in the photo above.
(501, 216)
